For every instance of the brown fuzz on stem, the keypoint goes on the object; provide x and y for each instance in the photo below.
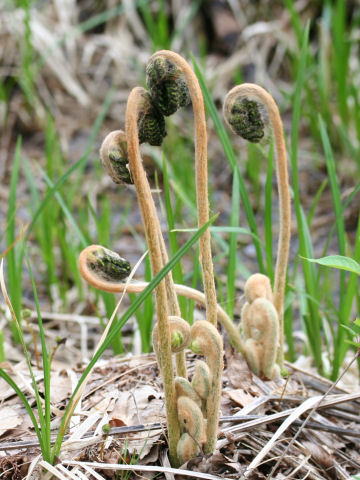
(114, 158)
(134, 112)
(254, 100)
(197, 101)
(206, 341)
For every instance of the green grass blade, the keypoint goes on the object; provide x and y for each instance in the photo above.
(335, 191)
(45, 428)
(315, 202)
(29, 409)
(340, 348)
(231, 269)
(14, 256)
(23, 343)
(313, 319)
(76, 229)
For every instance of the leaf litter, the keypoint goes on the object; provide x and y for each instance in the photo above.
(126, 393)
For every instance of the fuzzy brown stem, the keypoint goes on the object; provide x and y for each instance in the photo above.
(147, 208)
(252, 91)
(173, 304)
(183, 290)
(201, 177)
(207, 341)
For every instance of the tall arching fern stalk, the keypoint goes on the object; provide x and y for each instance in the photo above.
(167, 71)
(134, 111)
(106, 270)
(115, 159)
(246, 109)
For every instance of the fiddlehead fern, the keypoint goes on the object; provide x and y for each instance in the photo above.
(246, 119)
(192, 421)
(179, 331)
(106, 264)
(260, 325)
(114, 158)
(151, 122)
(206, 341)
(168, 87)
(180, 71)
(202, 379)
(246, 109)
(184, 388)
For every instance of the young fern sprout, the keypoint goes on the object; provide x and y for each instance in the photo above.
(107, 283)
(134, 112)
(114, 158)
(260, 325)
(205, 387)
(192, 421)
(247, 108)
(180, 334)
(206, 341)
(172, 83)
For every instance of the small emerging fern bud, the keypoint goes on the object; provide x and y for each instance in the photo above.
(184, 388)
(246, 117)
(106, 264)
(114, 157)
(191, 418)
(151, 122)
(187, 448)
(168, 87)
(201, 381)
(261, 347)
(180, 334)
(258, 286)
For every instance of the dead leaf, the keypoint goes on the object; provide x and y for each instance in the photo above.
(322, 457)
(240, 397)
(116, 422)
(238, 372)
(60, 387)
(9, 419)
(140, 406)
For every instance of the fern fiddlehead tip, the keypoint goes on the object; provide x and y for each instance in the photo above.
(106, 264)
(168, 87)
(246, 116)
(258, 286)
(179, 331)
(151, 122)
(114, 157)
